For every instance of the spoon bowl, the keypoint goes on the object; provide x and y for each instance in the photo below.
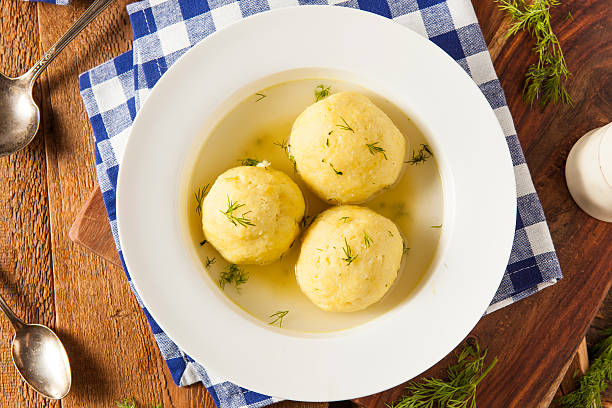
(19, 115)
(41, 359)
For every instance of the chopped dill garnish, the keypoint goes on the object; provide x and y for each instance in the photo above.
(282, 144)
(199, 196)
(249, 162)
(595, 380)
(390, 233)
(233, 275)
(421, 156)
(203, 242)
(235, 219)
(405, 249)
(260, 97)
(376, 149)
(292, 242)
(330, 132)
(319, 249)
(210, 261)
(436, 226)
(131, 403)
(546, 77)
(279, 316)
(459, 391)
(292, 159)
(306, 221)
(327, 142)
(338, 173)
(348, 253)
(345, 219)
(367, 240)
(345, 126)
(321, 92)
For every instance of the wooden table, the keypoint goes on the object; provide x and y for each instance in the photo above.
(49, 279)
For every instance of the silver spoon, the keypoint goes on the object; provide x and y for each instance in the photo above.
(19, 115)
(39, 356)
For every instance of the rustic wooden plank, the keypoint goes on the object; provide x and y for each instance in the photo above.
(112, 351)
(537, 336)
(26, 277)
(576, 369)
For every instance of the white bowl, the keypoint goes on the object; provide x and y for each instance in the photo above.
(418, 77)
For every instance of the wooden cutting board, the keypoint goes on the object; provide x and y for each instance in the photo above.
(535, 338)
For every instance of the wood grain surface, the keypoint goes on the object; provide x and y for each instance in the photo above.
(48, 279)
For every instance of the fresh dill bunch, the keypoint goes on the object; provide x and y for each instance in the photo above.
(260, 96)
(421, 155)
(348, 253)
(131, 403)
(595, 380)
(344, 125)
(338, 173)
(367, 240)
(376, 149)
(321, 92)
(233, 275)
(278, 317)
(249, 162)
(210, 261)
(544, 79)
(459, 391)
(199, 196)
(236, 219)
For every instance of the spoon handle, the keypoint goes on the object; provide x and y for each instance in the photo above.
(92, 11)
(16, 321)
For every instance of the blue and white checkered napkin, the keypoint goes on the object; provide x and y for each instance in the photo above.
(165, 29)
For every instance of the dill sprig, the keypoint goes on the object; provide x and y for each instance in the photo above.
(292, 160)
(236, 219)
(282, 144)
(199, 196)
(367, 240)
(595, 380)
(459, 391)
(249, 162)
(345, 126)
(338, 173)
(376, 149)
(348, 253)
(233, 275)
(260, 97)
(321, 92)
(421, 155)
(279, 316)
(405, 249)
(131, 403)
(544, 79)
(210, 261)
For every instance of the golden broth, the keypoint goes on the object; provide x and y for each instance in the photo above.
(254, 129)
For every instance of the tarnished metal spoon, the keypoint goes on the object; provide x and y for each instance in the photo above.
(39, 356)
(19, 115)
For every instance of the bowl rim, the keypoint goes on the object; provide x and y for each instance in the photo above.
(480, 190)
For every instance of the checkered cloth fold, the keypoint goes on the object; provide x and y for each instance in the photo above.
(165, 29)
